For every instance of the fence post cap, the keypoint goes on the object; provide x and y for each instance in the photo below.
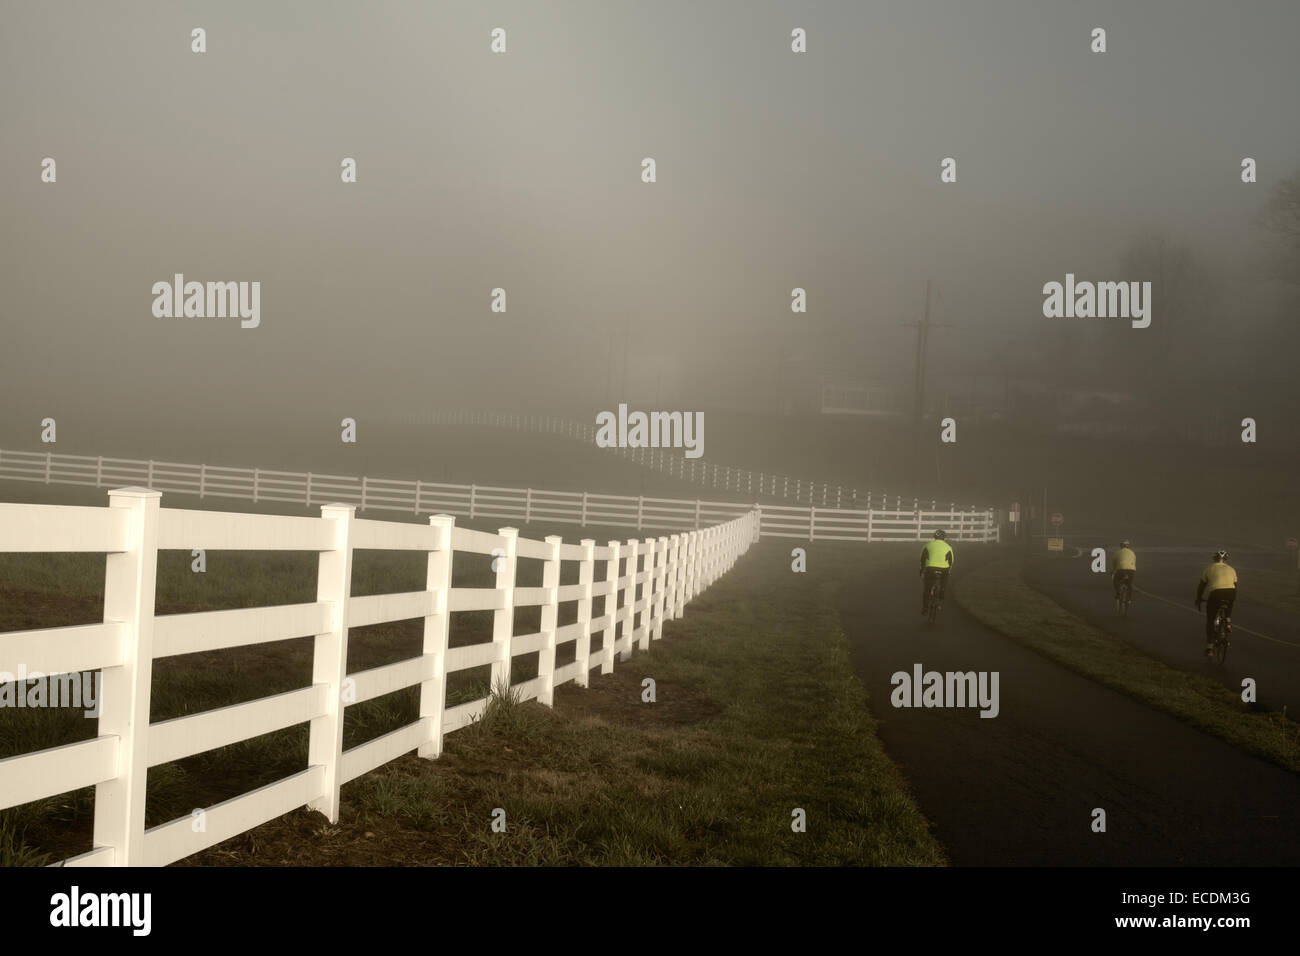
(554, 539)
(508, 532)
(135, 491)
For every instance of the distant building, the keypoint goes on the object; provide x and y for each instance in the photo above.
(862, 398)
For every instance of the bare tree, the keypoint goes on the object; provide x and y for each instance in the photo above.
(1281, 218)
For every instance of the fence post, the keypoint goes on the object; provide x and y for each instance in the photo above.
(129, 582)
(679, 593)
(870, 520)
(648, 595)
(528, 506)
(661, 586)
(586, 571)
(550, 616)
(697, 514)
(433, 690)
(203, 470)
(710, 555)
(812, 522)
(629, 623)
(583, 524)
(472, 491)
(919, 533)
(257, 475)
(99, 471)
(308, 501)
(330, 658)
(688, 559)
(640, 505)
(49, 457)
(503, 619)
(693, 570)
(363, 492)
(611, 609)
(670, 577)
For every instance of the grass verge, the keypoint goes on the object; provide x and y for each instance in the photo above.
(998, 596)
(757, 714)
(1275, 588)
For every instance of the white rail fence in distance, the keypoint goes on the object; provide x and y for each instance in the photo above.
(529, 505)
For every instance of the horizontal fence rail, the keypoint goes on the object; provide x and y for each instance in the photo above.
(646, 582)
(673, 463)
(528, 505)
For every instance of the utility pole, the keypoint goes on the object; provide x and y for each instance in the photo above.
(609, 372)
(627, 329)
(918, 396)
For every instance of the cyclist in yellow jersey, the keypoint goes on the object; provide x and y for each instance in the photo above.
(936, 560)
(1218, 587)
(1125, 565)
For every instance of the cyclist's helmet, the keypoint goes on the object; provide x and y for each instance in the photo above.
(1220, 555)
(940, 534)
(1124, 543)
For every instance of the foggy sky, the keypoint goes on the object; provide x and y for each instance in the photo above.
(522, 171)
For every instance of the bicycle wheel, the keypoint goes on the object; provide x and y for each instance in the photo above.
(1220, 638)
(1125, 598)
(933, 602)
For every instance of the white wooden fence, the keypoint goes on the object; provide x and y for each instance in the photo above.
(670, 571)
(672, 462)
(902, 522)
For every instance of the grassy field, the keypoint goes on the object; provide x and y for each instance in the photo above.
(757, 714)
(1276, 588)
(998, 596)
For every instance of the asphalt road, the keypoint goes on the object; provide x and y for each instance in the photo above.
(1020, 788)
(1163, 622)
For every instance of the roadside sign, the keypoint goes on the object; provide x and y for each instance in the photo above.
(1057, 519)
(1055, 544)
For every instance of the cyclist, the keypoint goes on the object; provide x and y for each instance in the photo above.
(1220, 580)
(1125, 564)
(936, 560)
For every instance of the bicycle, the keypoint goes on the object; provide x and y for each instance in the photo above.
(932, 598)
(1222, 628)
(1124, 599)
